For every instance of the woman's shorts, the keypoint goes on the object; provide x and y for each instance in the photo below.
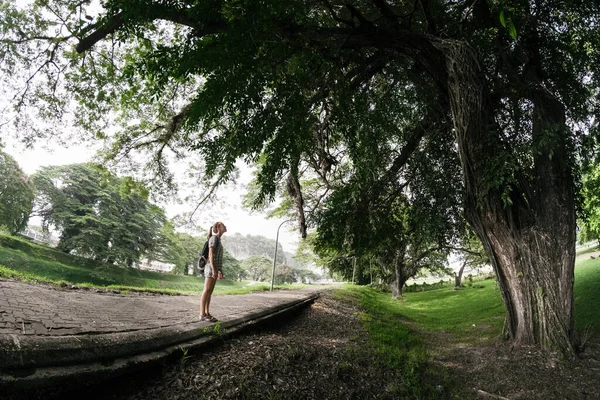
(208, 273)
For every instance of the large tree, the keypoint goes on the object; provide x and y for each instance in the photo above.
(515, 80)
(16, 195)
(98, 214)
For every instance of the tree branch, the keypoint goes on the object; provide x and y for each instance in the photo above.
(431, 25)
(156, 12)
(420, 131)
(295, 191)
(110, 26)
(387, 13)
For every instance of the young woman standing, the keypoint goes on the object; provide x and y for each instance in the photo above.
(213, 269)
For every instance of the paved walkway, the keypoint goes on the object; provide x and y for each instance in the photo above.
(41, 310)
(44, 327)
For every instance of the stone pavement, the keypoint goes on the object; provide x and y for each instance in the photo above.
(48, 335)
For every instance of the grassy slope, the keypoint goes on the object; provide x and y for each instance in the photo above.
(23, 260)
(477, 315)
(587, 295)
(470, 316)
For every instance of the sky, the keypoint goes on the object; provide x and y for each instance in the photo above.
(230, 210)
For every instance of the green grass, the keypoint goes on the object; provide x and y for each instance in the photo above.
(587, 295)
(469, 314)
(26, 261)
(472, 316)
(477, 315)
(397, 345)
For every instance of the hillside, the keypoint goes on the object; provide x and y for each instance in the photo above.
(243, 246)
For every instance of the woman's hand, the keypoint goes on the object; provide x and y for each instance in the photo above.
(220, 275)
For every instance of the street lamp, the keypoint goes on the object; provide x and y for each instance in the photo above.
(275, 258)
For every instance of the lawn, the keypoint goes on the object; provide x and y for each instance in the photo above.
(407, 332)
(23, 260)
(474, 315)
(587, 296)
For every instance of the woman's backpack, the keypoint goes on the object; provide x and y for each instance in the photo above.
(203, 258)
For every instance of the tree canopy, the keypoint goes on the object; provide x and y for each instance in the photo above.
(98, 214)
(16, 195)
(258, 267)
(321, 85)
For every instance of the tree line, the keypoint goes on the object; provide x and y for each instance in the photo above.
(110, 219)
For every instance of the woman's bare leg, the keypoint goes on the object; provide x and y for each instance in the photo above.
(209, 297)
(209, 285)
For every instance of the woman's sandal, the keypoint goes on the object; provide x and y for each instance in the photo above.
(211, 318)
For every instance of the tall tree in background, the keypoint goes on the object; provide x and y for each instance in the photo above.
(515, 81)
(258, 267)
(471, 254)
(16, 195)
(178, 248)
(590, 224)
(98, 214)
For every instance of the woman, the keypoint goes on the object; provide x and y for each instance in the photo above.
(213, 269)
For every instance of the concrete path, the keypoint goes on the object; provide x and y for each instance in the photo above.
(48, 335)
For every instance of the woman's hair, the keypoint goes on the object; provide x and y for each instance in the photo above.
(212, 228)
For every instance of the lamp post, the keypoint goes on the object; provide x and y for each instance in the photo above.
(275, 258)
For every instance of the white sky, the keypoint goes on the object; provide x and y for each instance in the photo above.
(232, 214)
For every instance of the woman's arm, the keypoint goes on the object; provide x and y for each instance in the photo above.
(212, 262)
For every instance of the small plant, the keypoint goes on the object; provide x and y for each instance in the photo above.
(217, 329)
(184, 355)
(213, 330)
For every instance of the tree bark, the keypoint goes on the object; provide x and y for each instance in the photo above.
(458, 277)
(400, 280)
(526, 225)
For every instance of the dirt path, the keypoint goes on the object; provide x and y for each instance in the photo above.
(587, 256)
(524, 373)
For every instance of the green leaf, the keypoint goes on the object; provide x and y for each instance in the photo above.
(512, 31)
(502, 19)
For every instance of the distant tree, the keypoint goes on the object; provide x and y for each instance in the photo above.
(472, 255)
(259, 268)
(307, 276)
(284, 274)
(404, 233)
(304, 254)
(98, 214)
(590, 221)
(16, 195)
(232, 268)
(181, 249)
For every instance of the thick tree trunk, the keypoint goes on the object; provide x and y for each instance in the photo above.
(527, 225)
(400, 280)
(458, 277)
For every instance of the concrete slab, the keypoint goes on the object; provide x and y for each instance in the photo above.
(50, 336)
